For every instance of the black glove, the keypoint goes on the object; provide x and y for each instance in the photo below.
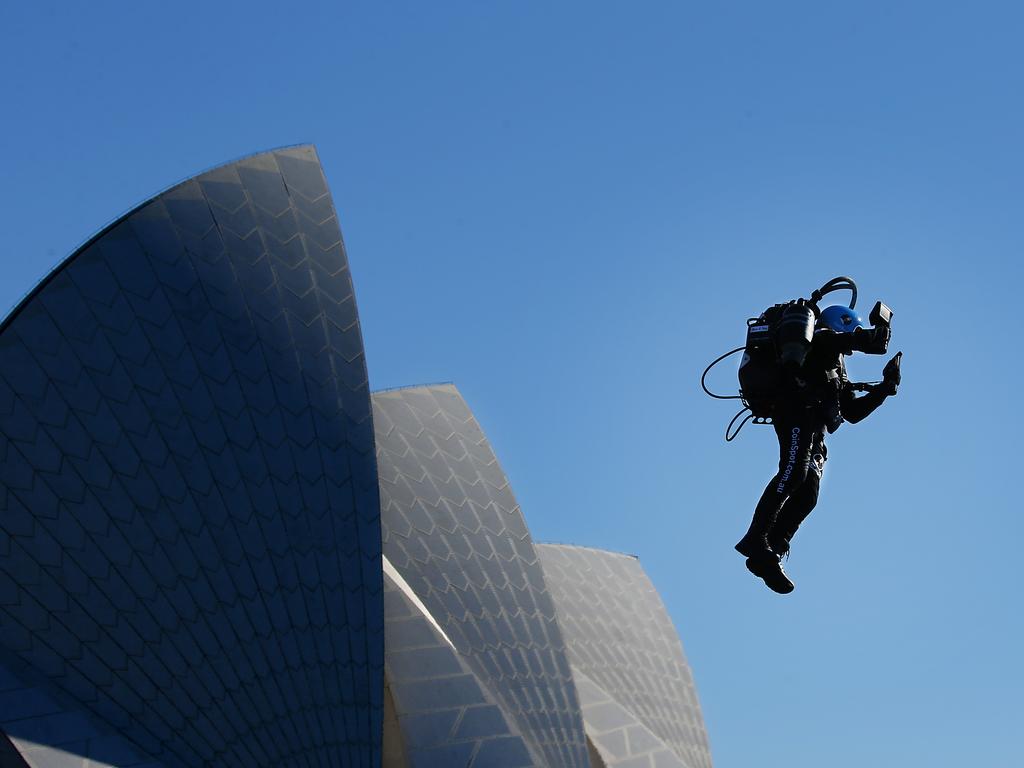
(891, 375)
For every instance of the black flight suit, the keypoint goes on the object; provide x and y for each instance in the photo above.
(816, 399)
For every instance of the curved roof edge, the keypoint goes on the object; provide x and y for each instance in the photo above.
(630, 555)
(32, 292)
(424, 385)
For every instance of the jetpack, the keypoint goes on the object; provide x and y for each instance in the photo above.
(777, 343)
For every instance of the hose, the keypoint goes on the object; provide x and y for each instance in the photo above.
(715, 362)
(729, 439)
(837, 284)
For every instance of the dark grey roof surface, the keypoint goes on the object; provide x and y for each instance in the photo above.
(53, 730)
(453, 530)
(190, 545)
(621, 639)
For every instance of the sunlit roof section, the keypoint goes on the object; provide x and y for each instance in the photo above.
(453, 530)
(636, 688)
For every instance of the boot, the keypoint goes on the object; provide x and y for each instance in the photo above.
(753, 544)
(768, 568)
(755, 541)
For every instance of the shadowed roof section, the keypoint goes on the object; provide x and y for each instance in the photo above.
(53, 730)
(189, 501)
(453, 530)
(635, 685)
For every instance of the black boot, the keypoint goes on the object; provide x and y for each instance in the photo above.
(765, 563)
(755, 541)
(768, 567)
(755, 545)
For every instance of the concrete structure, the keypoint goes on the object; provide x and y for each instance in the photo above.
(195, 492)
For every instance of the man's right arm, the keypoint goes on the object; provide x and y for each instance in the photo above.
(871, 341)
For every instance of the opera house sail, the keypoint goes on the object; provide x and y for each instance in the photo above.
(191, 527)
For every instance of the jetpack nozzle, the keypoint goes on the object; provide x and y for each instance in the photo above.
(795, 333)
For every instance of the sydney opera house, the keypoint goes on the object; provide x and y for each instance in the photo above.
(219, 548)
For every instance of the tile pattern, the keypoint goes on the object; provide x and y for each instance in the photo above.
(626, 656)
(619, 738)
(445, 714)
(453, 530)
(189, 511)
(52, 730)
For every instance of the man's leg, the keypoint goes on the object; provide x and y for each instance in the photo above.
(796, 445)
(796, 509)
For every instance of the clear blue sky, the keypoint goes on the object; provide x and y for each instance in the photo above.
(568, 209)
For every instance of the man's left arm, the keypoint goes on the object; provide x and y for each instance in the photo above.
(855, 408)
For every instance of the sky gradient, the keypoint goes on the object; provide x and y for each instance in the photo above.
(568, 212)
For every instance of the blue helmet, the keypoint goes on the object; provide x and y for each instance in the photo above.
(839, 319)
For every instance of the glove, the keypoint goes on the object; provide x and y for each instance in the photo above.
(891, 375)
(880, 340)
